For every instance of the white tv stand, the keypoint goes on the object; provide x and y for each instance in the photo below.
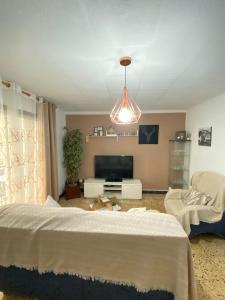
(126, 189)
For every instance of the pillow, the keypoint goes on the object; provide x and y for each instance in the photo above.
(50, 202)
(193, 197)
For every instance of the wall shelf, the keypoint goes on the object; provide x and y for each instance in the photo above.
(108, 136)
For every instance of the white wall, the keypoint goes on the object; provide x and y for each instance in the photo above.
(60, 123)
(206, 114)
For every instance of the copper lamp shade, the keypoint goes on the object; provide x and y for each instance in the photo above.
(126, 111)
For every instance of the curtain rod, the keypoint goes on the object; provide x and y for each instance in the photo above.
(8, 84)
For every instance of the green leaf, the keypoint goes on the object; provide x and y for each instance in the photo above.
(72, 154)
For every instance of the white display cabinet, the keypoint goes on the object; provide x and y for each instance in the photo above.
(179, 162)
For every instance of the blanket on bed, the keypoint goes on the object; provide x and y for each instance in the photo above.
(149, 251)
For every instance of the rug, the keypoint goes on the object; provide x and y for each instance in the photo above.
(208, 251)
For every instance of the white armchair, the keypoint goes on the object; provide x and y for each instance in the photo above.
(197, 219)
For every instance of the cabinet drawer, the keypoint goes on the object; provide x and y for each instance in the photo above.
(92, 190)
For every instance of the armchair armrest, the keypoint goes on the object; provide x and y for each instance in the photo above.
(203, 208)
(175, 194)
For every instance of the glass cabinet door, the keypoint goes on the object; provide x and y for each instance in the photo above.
(179, 162)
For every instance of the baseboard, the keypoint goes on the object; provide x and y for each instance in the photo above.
(145, 191)
(62, 194)
(151, 191)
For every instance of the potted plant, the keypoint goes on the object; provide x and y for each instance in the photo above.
(72, 152)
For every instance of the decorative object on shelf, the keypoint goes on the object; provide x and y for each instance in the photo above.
(180, 135)
(111, 131)
(95, 133)
(98, 131)
(72, 152)
(126, 111)
(148, 134)
(188, 136)
(133, 133)
(205, 136)
(179, 161)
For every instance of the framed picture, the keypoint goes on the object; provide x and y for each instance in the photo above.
(205, 136)
(180, 135)
(148, 134)
(98, 131)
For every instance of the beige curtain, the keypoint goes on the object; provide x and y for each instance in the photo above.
(28, 165)
(48, 112)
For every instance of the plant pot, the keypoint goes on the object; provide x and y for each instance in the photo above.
(72, 191)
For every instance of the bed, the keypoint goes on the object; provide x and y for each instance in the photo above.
(68, 253)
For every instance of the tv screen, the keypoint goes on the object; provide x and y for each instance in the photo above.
(113, 167)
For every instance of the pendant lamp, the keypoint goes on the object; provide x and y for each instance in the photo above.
(125, 111)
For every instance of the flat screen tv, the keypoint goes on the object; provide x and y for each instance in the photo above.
(113, 167)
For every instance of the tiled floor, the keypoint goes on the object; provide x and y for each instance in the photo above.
(208, 252)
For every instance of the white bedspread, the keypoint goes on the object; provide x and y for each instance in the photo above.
(147, 251)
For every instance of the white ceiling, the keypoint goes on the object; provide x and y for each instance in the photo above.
(69, 50)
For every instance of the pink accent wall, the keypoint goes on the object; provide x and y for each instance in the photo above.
(150, 161)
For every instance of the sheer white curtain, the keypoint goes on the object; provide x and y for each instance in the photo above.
(22, 155)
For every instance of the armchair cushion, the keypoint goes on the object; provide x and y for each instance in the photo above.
(193, 197)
